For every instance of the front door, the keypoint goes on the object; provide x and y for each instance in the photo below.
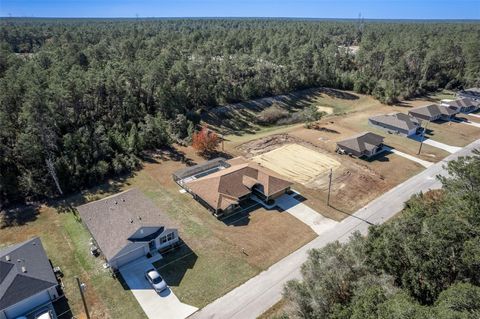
(151, 245)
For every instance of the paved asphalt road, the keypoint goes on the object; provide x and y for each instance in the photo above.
(261, 292)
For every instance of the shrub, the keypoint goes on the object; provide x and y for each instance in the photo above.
(271, 115)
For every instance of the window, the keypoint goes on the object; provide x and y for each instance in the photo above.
(167, 238)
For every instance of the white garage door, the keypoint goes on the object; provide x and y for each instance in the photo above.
(125, 259)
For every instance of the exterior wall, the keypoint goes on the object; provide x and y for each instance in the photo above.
(349, 151)
(280, 193)
(172, 241)
(119, 261)
(27, 305)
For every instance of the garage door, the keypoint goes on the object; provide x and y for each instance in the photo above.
(125, 259)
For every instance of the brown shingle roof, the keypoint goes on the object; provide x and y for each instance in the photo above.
(365, 141)
(226, 186)
(114, 219)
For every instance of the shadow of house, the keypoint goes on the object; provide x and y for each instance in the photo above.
(175, 264)
(242, 217)
(62, 308)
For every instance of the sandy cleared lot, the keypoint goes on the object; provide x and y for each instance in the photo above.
(297, 162)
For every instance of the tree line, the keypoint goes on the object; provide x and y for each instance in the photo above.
(423, 264)
(80, 99)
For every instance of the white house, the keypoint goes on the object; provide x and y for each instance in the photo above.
(27, 280)
(127, 226)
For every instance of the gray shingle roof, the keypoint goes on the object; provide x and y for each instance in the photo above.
(400, 120)
(112, 221)
(433, 110)
(16, 285)
(463, 102)
(365, 141)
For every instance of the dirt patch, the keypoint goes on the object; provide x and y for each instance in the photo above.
(266, 144)
(297, 162)
(326, 109)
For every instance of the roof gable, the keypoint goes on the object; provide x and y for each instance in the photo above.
(227, 186)
(15, 284)
(114, 219)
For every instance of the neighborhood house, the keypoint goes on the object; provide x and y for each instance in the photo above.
(366, 144)
(463, 105)
(433, 112)
(473, 93)
(398, 123)
(223, 185)
(28, 285)
(127, 226)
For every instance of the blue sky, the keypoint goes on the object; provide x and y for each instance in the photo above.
(370, 9)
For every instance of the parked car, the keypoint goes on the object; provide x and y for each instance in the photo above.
(156, 280)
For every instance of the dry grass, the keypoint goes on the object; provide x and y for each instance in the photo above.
(226, 253)
(297, 162)
(66, 242)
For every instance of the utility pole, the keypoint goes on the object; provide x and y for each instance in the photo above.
(329, 186)
(423, 137)
(81, 287)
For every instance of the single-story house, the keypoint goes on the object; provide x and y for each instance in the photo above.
(189, 173)
(127, 226)
(27, 281)
(473, 93)
(463, 105)
(398, 123)
(366, 144)
(223, 190)
(433, 112)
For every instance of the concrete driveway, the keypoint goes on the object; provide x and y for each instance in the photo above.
(156, 306)
(310, 217)
(443, 146)
(408, 156)
(467, 122)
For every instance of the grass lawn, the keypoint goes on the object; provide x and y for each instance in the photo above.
(67, 244)
(274, 311)
(217, 255)
(451, 133)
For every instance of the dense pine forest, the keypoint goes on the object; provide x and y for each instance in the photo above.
(423, 264)
(81, 99)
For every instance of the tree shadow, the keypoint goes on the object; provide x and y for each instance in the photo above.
(339, 94)
(68, 204)
(175, 264)
(18, 215)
